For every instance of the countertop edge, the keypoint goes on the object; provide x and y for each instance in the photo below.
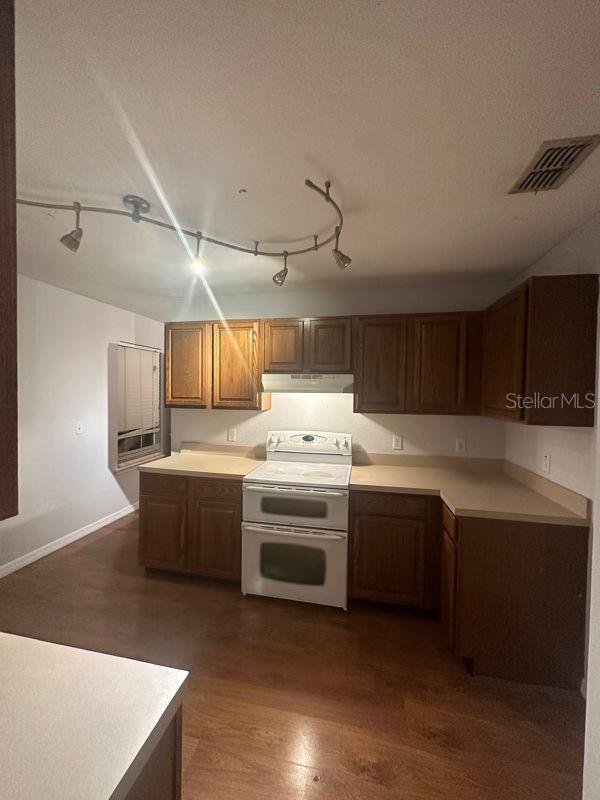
(185, 473)
(143, 756)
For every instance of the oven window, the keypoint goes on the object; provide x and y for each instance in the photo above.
(293, 563)
(294, 507)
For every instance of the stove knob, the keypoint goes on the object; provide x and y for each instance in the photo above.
(271, 441)
(346, 444)
(337, 443)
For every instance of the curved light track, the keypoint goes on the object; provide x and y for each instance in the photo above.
(197, 235)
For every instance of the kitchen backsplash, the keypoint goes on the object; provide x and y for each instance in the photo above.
(421, 435)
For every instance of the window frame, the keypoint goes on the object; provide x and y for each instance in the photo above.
(122, 462)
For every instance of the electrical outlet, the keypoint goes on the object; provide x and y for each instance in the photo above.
(461, 446)
(546, 463)
(397, 443)
(231, 434)
(78, 428)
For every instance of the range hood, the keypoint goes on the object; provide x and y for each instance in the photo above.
(294, 382)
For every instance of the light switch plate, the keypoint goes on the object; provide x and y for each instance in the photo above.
(461, 446)
(78, 428)
(546, 463)
(231, 434)
(397, 443)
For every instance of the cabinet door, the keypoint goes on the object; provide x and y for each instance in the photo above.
(380, 375)
(214, 539)
(448, 593)
(283, 345)
(236, 365)
(329, 345)
(561, 348)
(439, 368)
(388, 559)
(162, 531)
(504, 354)
(188, 364)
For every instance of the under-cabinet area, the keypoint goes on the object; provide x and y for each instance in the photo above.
(530, 357)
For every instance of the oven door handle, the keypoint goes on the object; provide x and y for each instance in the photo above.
(291, 535)
(290, 492)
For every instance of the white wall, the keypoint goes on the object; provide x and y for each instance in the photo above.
(572, 453)
(430, 435)
(430, 295)
(64, 481)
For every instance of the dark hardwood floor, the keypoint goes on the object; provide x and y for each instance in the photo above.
(294, 701)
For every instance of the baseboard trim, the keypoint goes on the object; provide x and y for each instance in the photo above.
(63, 541)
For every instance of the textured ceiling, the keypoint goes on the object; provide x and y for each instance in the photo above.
(421, 114)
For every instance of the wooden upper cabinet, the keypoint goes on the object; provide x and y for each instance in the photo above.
(283, 345)
(438, 355)
(504, 354)
(188, 364)
(539, 344)
(237, 366)
(307, 345)
(561, 349)
(328, 345)
(380, 374)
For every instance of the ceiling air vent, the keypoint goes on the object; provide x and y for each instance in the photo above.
(553, 163)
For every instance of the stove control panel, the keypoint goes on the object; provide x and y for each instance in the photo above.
(317, 442)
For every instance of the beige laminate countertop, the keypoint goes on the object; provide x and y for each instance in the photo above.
(203, 465)
(78, 725)
(468, 492)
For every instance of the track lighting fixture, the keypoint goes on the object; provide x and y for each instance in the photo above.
(341, 259)
(72, 240)
(138, 208)
(198, 262)
(279, 277)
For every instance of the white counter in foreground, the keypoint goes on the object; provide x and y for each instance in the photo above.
(78, 725)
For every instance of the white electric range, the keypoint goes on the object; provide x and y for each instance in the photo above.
(295, 518)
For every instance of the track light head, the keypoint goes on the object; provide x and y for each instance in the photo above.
(72, 240)
(341, 259)
(279, 277)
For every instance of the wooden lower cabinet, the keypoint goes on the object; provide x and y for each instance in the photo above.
(160, 779)
(448, 588)
(214, 539)
(394, 549)
(191, 525)
(387, 559)
(163, 531)
(513, 598)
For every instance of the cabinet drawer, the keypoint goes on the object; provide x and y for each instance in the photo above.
(152, 483)
(449, 522)
(210, 489)
(402, 505)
